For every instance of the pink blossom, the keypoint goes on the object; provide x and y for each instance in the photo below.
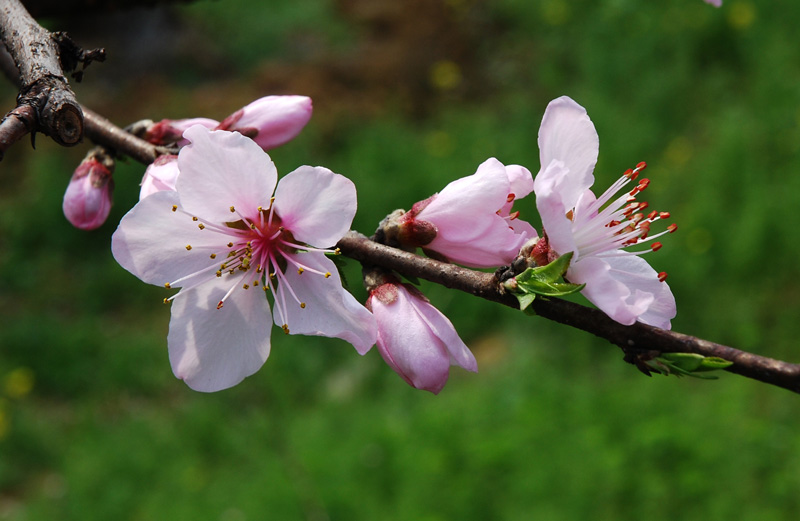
(596, 230)
(161, 174)
(415, 338)
(225, 240)
(87, 200)
(169, 131)
(716, 3)
(470, 221)
(271, 121)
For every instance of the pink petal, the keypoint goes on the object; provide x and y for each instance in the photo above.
(616, 285)
(212, 349)
(520, 180)
(151, 241)
(161, 174)
(441, 326)
(330, 309)
(87, 200)
(468, 229)
(222, 169)
(568, 135)
(274, 120)
(552, 210)
(316, 205)
(637, 274)
(408, 345)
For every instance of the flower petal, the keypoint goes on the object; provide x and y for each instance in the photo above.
(212, 349)
(520, 180)
(636, 273)
(568, 135)
(222, 169)
(316, 205)
(151, 241)
(468, 229)
(552, 210)
(620, 286)
(441, 326)
(330, 309)
(408, 345)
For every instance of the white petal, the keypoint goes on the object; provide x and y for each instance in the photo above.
(330, 309)
(552, 210)
(213, 349)
(568, 135)
(151, 241)
(316, 205)
(222, 169)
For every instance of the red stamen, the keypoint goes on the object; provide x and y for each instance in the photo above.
(662, 276)
(641, 166)
(656, 246)
(510, 198)
(219, 306)
(672, 227)
(664, 215)
(652, 215)
(630, 174)
(513, 215)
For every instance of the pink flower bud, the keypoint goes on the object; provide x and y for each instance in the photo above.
(271, 121)
(87, 200)
(161, 174)
(415, 338)
(169, 131)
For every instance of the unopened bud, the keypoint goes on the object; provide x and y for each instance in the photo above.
(169, 131)
(87, 200)
(270, 121)
(161, 174)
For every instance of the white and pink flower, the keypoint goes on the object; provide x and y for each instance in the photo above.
(470, 221)
(597, 229)
(271, 121)
(415, 338)
(226, 241)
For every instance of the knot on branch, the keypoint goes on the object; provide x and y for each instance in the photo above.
(71, 55)
(59, 114)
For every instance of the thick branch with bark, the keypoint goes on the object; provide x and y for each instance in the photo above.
(45, 102)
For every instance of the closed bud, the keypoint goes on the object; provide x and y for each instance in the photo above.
(270, 121)
(170, 131)
(87, 200)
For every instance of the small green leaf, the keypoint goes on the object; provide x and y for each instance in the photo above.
(525, 300)
(688, 364)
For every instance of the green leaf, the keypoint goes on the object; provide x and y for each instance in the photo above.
(688, 364)
(542, 280)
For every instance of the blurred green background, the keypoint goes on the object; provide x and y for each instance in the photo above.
(408, 96)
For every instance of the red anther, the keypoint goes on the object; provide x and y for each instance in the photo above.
(632, 193)
(570, 215)
(510, 198)
(652, 215)
(645, 226)
(643, 183)
(643, 205)
(219, 306)
(662, 276)
(637, 217)
(664, 215)
(612, 224)
(641, 166)
(513, 215)
(656, 246)
(628, 173)
(672, 227)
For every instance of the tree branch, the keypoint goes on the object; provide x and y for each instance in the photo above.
(45, 102)
(640, 342)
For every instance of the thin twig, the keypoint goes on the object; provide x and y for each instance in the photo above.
(638, 341)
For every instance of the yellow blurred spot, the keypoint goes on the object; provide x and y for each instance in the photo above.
(741, 15)
(679, 151)
(699, 241)
(555, 12)
(445, 75)
(439, 144)
(18, 382)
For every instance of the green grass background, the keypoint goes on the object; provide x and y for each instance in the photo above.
(93, 426)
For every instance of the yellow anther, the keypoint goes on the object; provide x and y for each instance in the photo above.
(252, 226)
(337, 251)
(303, 305)
(174, 207)
(285, 328)
(213, 255)
(201, 226)
(230, 245)
(218, 273)
(188, 247)
(194, 219)
(300, 271)
(327, 274)
(166, 285)
(233, 209)
(272, 275)
(271, 200)
(245, 286)
(166, 301)
(223, 265)
(260, 208)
